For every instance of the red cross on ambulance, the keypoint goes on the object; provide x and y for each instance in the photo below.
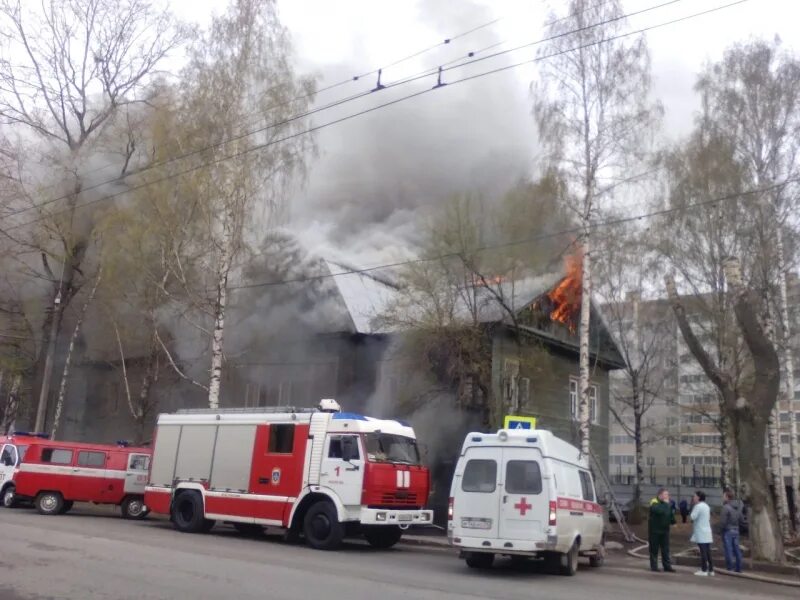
(522, 506)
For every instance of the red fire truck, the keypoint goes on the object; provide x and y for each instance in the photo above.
(319, 472)
(55, 474)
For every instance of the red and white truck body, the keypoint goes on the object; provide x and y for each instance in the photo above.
(322, 473)
(55, 474)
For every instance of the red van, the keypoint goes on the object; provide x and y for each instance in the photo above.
(55, 474)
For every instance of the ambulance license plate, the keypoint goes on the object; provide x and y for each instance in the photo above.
(468, 523)
(405, 517)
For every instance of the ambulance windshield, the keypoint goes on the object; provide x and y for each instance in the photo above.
(385, 447)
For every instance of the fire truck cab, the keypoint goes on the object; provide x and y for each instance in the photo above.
(524, 493)
(56, 474)
(320, 472)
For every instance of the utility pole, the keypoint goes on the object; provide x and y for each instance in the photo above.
(44, 392)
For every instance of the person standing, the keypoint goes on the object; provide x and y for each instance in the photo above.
(701, 533)
(684, 508)
(730, 524)
(661, 518)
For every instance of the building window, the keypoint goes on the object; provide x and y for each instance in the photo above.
(573, 401)
(672, 461)
(671, 441)
(651, 460)
(622, 459)
(671, 481)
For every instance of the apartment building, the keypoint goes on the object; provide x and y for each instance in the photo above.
(681, 428)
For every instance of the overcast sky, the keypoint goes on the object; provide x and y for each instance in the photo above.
(374, 172)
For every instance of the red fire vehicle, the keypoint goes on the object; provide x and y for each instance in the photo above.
(55, 474)
(317, 472)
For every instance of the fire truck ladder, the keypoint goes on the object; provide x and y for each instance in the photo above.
(613, 504)
(255, 409)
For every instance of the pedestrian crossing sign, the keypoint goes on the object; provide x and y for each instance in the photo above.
(515, 422)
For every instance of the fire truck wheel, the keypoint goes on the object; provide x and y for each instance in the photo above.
(382, 536)
(322, 528)
(9, 497)
(479, 560)
(133, 507)
(187, 513)
(49, 503)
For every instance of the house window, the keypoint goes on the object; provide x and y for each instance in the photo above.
(573, 401)
(524, 391)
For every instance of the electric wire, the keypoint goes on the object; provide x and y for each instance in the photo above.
(372, 109)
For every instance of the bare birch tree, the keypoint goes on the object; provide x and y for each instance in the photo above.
(594, 113)
(68, 71)
(643, 334)
(239, 69)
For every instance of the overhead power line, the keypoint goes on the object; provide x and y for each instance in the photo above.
(346, 118)
(529, 240)
(354, 78)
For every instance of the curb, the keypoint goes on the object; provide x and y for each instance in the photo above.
(753, 577)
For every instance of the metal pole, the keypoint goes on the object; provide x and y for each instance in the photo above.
(44, 392)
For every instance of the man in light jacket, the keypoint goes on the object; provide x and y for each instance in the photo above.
(701, 533)
(730, 524)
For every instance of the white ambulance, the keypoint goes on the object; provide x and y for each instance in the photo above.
(524, 493)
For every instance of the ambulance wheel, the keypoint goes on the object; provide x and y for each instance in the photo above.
(480, 560)
(187, 514)
(49, 503)
(66, 507)
(10, 497)
(382, 536)
(569, 562)
(322, 528)
(133, 507)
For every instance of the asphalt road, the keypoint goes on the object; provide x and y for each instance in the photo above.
(84, 555)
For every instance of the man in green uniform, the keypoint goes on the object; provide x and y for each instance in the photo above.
(662, 517)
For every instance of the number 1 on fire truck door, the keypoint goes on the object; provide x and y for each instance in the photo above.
(343, 467)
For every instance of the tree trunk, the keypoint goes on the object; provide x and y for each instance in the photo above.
(638, 447)
(12, 404)
(149, 377)
(62, 390)
(218, 335)
(776, 473)
(788, 364)
(584, 415)
(724, 448)
(764, 529)
(63, 291)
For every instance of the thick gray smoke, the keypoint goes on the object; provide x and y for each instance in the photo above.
(375, 172)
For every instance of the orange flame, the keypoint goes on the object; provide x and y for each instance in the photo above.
(566, 296)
